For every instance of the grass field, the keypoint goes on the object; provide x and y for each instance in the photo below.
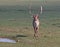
(18, 25)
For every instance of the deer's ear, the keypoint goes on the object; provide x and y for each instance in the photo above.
(37, 16)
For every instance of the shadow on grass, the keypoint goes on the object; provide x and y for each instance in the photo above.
(21, 36)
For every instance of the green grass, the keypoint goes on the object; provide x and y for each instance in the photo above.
(48, 37)
(20, 28)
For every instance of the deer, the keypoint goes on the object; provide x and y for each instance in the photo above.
(36, 24)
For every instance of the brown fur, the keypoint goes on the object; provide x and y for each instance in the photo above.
(36, 25)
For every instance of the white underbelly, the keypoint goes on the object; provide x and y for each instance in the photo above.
(36, 23)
